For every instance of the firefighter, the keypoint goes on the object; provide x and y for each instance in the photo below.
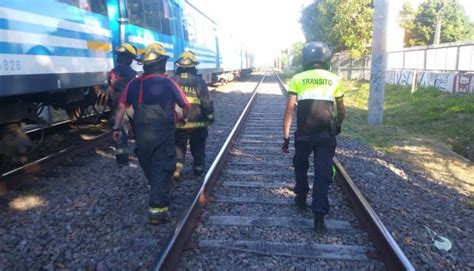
(315, 89)
(119, 77)
(154, 96)
(200, 115)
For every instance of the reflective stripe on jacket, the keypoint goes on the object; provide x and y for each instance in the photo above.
(197, 93)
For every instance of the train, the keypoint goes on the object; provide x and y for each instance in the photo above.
(58, 53)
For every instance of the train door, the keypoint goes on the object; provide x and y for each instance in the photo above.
(176, 22)
(116, 13)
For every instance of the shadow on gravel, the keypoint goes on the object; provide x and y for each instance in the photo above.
(410, 200)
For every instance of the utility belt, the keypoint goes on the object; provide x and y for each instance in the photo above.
(319, 131)
(313, 137)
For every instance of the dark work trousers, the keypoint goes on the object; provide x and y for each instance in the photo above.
(323, 146)
(155, 150)
(197, 141)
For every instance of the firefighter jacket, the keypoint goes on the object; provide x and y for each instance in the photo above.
(201, 112)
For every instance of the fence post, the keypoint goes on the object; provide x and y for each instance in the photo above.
(350, 69)
(413, 83)
(424, 60)
(403, 60)
(458, 51)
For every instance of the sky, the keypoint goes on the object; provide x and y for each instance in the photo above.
(267, 26)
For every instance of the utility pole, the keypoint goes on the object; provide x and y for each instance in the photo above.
(437, 35)
(379, 61)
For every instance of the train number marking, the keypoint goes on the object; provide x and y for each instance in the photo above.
(10, 65)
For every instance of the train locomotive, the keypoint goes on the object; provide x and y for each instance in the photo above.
(58, 52)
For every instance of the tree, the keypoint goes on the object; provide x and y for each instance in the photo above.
(296, 56)
(407, 21)
(345, 25)
(420, 26)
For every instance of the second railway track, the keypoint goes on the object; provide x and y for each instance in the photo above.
(250, 221)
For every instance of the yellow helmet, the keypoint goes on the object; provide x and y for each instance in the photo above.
(187, 59)
(127, 48)
(153, 53)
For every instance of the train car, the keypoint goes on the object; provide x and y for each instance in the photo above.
(59, 52)
(235, 59)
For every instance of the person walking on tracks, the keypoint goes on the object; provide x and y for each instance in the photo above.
(315, 89)
(200, 115)
(154, 96)
(118, 78)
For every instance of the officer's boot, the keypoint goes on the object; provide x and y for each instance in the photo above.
(300, 202)
(178, 174)
(158, 215)
(319, 226)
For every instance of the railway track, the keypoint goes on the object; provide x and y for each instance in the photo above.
(47, 161)
(89, 213)
(243, 216)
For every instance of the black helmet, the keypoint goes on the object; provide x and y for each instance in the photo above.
(316, 52)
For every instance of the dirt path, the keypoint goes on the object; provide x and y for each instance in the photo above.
(438, 162)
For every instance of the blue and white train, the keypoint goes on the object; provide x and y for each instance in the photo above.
(56, 52)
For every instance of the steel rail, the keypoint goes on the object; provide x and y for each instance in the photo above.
(37, 132)
(169, 255)
(391, 253)
(54, 159)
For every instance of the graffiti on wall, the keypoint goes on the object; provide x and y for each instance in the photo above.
(441, 81)
(399, 77)
(463, 83)
(455, 83)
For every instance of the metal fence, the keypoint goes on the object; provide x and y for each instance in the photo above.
(449, 57)
(443, 57)
(448, 67)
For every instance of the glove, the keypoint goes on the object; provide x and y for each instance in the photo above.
(210, 118)
(285, 145)
(116, 135)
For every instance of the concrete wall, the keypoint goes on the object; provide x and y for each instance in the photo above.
(453, 82)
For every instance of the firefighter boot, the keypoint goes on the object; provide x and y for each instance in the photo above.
(178, 175)
(158, 215)
(198, 170)
(319, 226)
(121, 155)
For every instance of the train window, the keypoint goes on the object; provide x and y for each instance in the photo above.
(190, 26)
(165, 16)
(185, 29)
(152, 14)
(96, 6)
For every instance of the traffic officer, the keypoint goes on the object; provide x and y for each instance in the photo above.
(200, 115)
(154, 96)
(315, 89)
(119, 77)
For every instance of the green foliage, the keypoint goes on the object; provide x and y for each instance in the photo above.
(296, 56)
(420, 25)
(283, 59)
(345, 25)
(427, 112)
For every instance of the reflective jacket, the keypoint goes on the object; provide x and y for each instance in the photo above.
(201, 112)
(316, 91)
